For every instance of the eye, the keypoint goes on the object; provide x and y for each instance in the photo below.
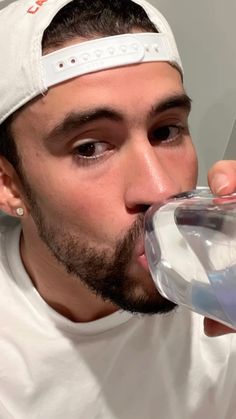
(167, 133)
(90, 150)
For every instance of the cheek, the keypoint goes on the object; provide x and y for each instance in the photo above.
(184, 166)
(90, 208)
(192, 165)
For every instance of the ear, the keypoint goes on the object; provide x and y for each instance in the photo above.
(11, 196)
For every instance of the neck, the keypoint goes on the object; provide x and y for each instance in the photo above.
(64, 292)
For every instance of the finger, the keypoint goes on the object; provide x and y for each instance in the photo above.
(222, 177)
(212, 328)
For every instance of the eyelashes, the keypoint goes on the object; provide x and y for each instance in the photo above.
(166, 134)
(90, 151)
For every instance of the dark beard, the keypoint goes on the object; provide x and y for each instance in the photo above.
(104, 272)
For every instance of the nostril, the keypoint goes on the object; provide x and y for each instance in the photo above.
(138, 209)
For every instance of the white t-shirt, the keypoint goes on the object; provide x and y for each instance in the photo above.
(120, 367)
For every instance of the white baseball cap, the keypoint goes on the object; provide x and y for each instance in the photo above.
(26, 73)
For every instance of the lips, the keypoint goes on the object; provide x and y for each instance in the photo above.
(141, 257)
(143, 262)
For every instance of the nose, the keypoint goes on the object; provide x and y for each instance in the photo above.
(148, 177)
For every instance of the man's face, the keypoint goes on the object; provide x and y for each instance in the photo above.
(96, 152)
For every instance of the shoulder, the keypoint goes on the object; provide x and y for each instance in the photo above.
(7, 223)
(9, 238)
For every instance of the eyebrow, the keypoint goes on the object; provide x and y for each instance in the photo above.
(77, 120)
(181, 101)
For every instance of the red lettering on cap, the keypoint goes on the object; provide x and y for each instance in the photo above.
(32, 10)
(35, 7)
(41, 2)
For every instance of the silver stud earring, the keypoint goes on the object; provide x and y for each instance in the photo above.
(20, 211)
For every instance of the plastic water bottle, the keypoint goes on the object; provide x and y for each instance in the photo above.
(190, 244)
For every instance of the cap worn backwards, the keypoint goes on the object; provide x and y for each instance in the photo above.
(25, 73)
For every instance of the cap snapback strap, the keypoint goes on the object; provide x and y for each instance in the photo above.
(104, 53)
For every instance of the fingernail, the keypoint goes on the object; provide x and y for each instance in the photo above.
(219, 183)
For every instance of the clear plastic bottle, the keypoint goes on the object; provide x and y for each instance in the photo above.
(190, 244)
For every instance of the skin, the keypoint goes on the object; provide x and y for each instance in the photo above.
(100, 201)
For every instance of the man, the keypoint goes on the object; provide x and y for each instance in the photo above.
(94, 129)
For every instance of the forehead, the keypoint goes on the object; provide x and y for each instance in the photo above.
(129, 89)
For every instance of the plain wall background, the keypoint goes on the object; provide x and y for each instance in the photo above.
(205, 34)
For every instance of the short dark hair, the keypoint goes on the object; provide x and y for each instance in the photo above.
(8, 147)
(95, 18)
(81, 18)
